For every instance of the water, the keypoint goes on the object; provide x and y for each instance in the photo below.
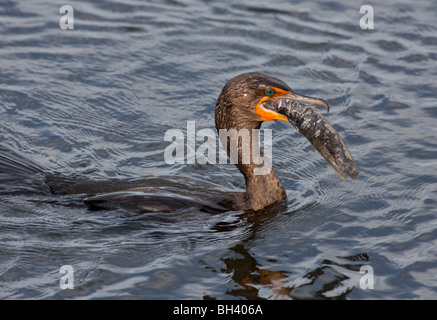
(94, 103)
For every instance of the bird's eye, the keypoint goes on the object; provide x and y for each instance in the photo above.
(270, 91)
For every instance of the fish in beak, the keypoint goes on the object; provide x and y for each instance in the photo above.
(313, 126)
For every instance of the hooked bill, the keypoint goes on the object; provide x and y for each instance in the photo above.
(322, 135)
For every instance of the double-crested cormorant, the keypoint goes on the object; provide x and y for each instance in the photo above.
(243, 104)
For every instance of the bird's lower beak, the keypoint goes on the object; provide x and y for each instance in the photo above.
(313, 126)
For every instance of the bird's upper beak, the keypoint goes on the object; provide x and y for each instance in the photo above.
(313, 126)
(272, 114)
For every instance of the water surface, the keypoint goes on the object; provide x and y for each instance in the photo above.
(94, 103)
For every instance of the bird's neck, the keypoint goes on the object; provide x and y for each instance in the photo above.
(263, 186)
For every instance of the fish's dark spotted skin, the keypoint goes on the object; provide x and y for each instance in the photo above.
(322, 135)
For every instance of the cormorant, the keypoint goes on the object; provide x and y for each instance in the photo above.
(243, 104)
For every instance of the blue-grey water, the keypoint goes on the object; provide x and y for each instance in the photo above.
(93, 103)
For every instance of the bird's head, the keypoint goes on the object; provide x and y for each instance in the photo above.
(241, 100)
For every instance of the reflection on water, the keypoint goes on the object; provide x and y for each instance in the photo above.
(90, 107)
(322, 283)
